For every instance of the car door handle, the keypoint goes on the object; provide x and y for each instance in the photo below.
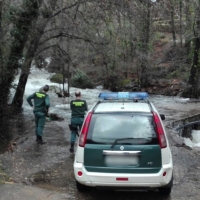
(115, 153)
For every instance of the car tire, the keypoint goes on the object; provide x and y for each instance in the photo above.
(164, 191)
(167, 189)
(81, 188)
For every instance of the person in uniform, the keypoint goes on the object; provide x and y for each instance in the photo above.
(40, 109)
(78, 108)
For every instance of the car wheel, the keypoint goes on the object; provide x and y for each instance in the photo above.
(165, 191)
(81, 188)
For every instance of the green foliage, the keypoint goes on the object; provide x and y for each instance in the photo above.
(81, 80)
(163, 26)
(125, 82)
(185, 77)
(3, 176)
(57, 78)
(160, 39)
(180, 72)
(159, 35)
(173, 74)
(113, 82)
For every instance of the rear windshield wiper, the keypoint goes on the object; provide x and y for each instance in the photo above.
(115, 142)
(119, 140)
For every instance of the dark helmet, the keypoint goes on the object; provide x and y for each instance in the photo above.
(46, 88)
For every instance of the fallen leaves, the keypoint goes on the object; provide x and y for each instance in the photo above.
(11, 146)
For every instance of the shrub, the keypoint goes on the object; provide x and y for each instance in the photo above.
(81, 80)
(125, 82)
(57, 78)
(113, 83)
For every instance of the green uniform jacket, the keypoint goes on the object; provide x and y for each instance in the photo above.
(41, 101)
(78, 108)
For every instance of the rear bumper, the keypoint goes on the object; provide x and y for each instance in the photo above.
(95, 179)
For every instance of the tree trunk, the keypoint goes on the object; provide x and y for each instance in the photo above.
(34, 42)
(188, 29)
(194, 78)
(22, 22)
(145, 44)
(193, 70)
(172, 22)
(18, 98)
(181, 22)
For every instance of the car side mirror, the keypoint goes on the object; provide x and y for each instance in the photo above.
(162, 116)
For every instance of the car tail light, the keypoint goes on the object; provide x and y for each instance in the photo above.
(84, 132)
(80, 173)
(160, 131)
(121, 179)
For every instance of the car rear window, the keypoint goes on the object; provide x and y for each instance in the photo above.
(106, 128)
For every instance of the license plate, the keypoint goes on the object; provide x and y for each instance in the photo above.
(121, 160)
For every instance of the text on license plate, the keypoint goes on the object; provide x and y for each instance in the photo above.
(121, 160)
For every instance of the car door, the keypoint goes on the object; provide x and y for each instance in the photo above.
(122, 143)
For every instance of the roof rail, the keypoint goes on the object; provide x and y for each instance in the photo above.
(123, 95)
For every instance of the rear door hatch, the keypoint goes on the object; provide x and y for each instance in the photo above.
(122, 143)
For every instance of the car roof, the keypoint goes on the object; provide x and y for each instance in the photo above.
(110, 106)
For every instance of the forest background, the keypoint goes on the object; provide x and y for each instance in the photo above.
(124, 45)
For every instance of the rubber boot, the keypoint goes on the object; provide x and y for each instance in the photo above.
(72, 147)
(40, 140)
(37, 138)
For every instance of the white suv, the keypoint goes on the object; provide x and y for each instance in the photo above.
(123, 145)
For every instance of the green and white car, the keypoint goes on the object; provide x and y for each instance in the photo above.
(123, 145)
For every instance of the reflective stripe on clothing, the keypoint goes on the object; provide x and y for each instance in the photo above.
(40, 95)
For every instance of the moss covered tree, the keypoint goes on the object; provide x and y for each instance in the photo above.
(20, 20)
